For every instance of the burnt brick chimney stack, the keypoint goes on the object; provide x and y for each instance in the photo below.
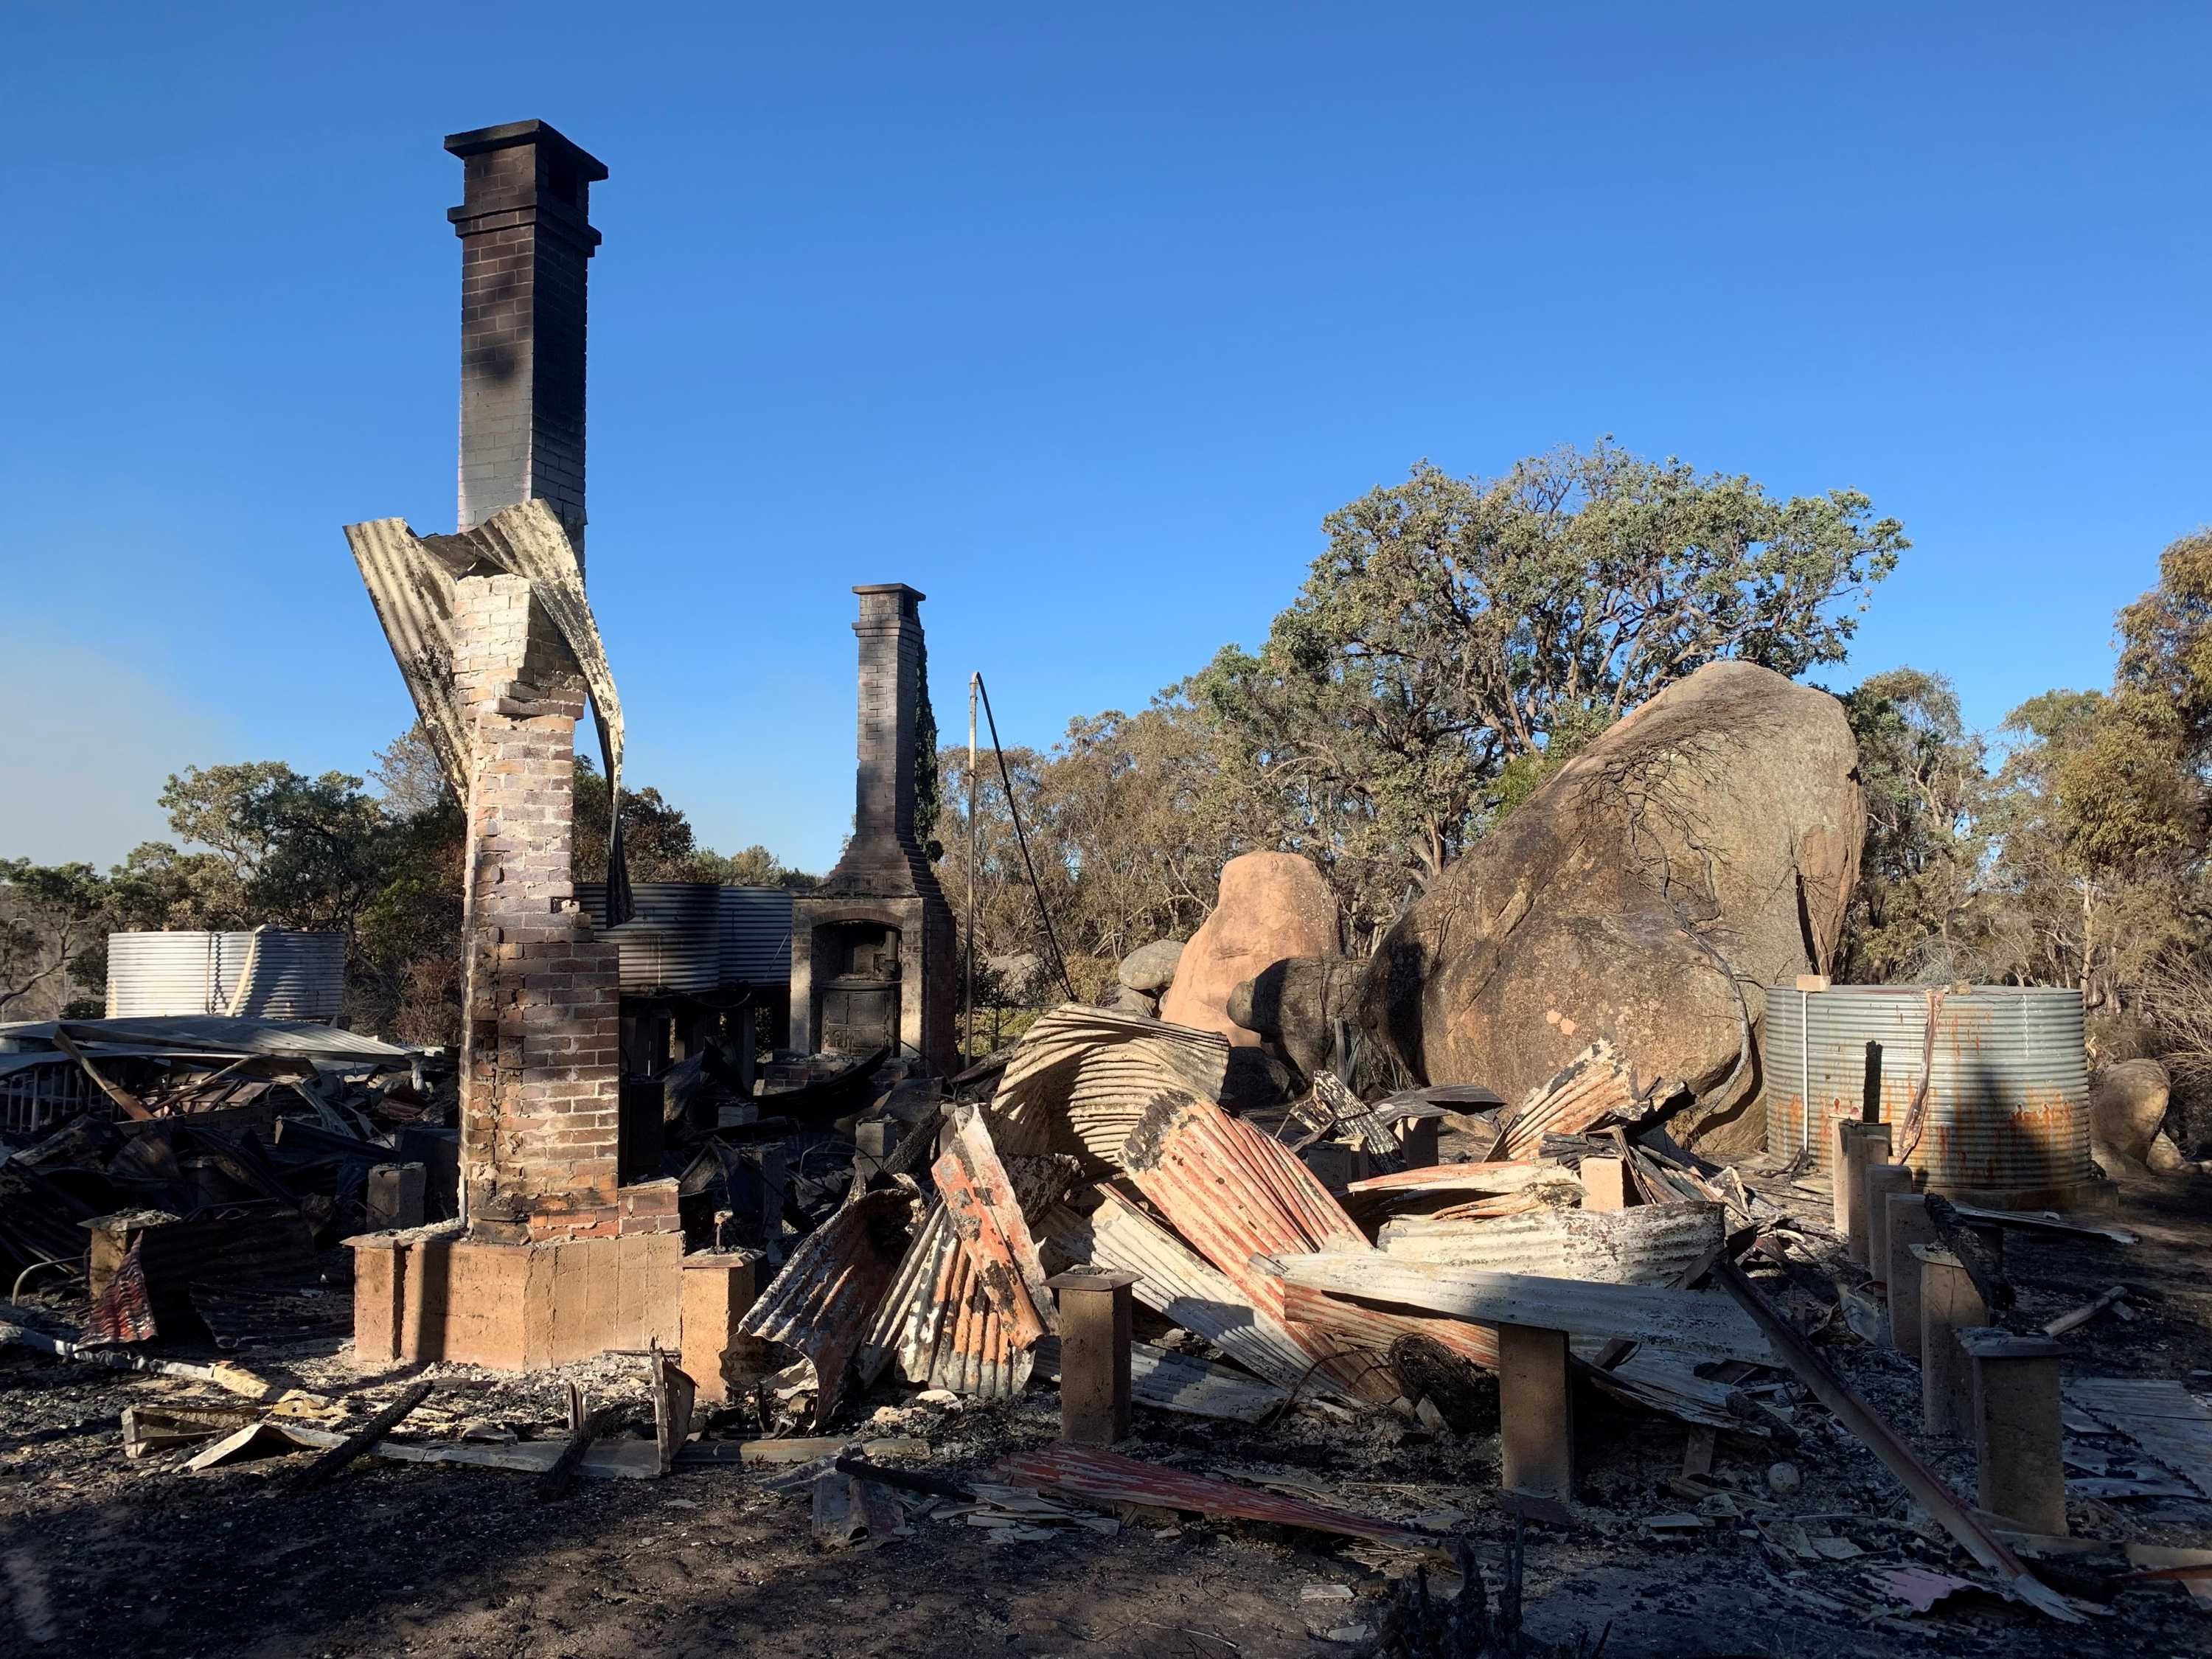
(890, 629)
(526, 244)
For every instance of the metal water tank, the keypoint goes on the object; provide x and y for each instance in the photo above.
(673, 942)
(755, 935)
(269, 973)
(2007, 1120)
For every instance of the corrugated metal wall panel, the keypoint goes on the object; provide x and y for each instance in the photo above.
(755, 935)
(674, 941)
(273, 974)
(2008, 1101)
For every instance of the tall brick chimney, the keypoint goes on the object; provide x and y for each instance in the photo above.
(873, 947)
(526, 244)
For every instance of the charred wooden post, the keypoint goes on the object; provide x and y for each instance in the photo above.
(1096, 1310)
(2017, 1437)
(1949, 1304)
(1535, 1413)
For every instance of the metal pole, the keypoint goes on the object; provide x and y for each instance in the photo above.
(972, 680)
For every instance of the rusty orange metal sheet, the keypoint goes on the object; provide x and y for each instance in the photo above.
(1371, 1331)
(987, 1218)
(822, 1303)
(1235, 1194)
(1506, 1176)
(1109, 1478)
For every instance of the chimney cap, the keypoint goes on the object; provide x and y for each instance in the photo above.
(588, 166)
(891, 587)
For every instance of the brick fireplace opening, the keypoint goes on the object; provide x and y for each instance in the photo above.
(872, 948)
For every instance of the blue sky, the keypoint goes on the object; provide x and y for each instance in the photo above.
(1078, 319)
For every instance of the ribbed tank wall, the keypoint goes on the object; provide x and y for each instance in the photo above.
(673, 943)
(2008, 1090)
(284, 975)
(755, 935)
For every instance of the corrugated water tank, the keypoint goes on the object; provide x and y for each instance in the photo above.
(269, 973)
(2007, 1111)
(673, 943)
(755, 935)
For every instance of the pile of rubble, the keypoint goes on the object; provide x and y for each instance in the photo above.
(1085, 1212)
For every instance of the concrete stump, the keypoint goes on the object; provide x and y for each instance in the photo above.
(1908, 1225)
(1867, 1146)
(1605, 1184)
(2017, 1436)
(1883, 1183)
(1949, 1304)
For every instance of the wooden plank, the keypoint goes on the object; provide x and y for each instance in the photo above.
(1700, 1323)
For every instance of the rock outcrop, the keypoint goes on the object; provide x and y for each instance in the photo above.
(1272, 906)
(1297, 1005)
(1150, 968)
(1701, 849)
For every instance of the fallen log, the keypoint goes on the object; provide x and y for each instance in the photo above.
(326, 1467)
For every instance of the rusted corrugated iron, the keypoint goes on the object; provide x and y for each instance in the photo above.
(1506, 1176)
(1369, 1332)
(1174, 1281)
(1106, 1477)
(1597, 1088)
(1235, 1195)
(979, 1197)
(1082, 1078)
(821, 1304)
(938, 1319)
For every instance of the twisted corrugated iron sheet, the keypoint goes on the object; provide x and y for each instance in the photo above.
(1109, 1478)
(1082, 1078)
(1507, 1175)
(1235, 1194)
(1369, 1332)
(1644, 1244)
(1174, 1280)
(411, 583)
(1596, 1088)
(823, 1301)
(995, 1240)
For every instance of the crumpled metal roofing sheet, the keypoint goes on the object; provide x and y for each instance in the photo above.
(1507, 1175)
(979, 1196)
(183, 1035)
(411, 583)
(1369, 1332)
(1594, 1089)
(823, 1301)
(1643, 1244)
(1109, 1478)
(1081, 1078)
(1173, 1280)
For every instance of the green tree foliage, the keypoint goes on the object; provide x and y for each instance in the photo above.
(1918, 911)
(1457, 636)
(54, 919)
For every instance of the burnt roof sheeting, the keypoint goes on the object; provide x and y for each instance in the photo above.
(210, 1035)
(1704, 1323)
(1082, 1078)
(1644, 1244)
(1236, 1194)
(1367, 1332)
(1108, 1477)
(979, 1196)
(1174, 1281)
(410, 582)
(1596, 1088)
(821, 1304)
(1508, 1175)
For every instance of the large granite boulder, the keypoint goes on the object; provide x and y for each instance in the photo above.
(1701, 849)
(1272, 906)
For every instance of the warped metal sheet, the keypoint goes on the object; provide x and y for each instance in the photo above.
(822, 1303)
(1235, 1194)
(1643, 1244)
(1182, 1382)
(210, 1035)
(1174, 1281)
(1669, 1384)
(1108, 1477)
(1507, 1175)
(979, 1196)
(1082, 1078)
(2171, 1426)
(1367, 1332)
(1704, 1322)
(411, 583)
(1596, 1088)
